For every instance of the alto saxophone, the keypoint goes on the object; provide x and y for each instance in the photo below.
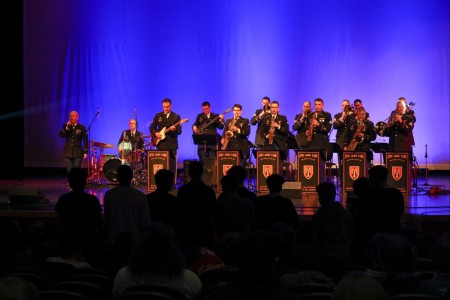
(356, 139)
(228, 135)
(310, 131)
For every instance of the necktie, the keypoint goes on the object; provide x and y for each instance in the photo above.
(132, 134)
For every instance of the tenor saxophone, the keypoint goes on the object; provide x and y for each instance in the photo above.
(228, 135)
(356, 139)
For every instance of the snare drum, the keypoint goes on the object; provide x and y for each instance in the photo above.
(110, 169)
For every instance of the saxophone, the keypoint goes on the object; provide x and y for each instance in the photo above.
(228, 135)
(271, 131)
(356, 139)
(310, 131)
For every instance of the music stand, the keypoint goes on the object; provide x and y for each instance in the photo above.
(205, 140)
(291, 142)
(380, 148)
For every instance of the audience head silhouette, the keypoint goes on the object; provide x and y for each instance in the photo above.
(239, 173)
(195, 170)
(77, 179)
(13, 288)
(164, 180)
(378, 175)
(327, 192)
(359, 286)
(157, 252)
(124, 175)
(229, 183)
(440, 255)
(275, 183)
(361, 187)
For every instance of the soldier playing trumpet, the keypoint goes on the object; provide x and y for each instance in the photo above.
(257, 119)
(399, 127)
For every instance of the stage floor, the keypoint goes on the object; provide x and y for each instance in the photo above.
(418, 202)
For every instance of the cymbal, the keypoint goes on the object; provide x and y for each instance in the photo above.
(101, 145)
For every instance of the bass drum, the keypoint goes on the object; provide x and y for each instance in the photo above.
(110, 169)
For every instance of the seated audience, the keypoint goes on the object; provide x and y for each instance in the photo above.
(157, 260)
(274, 208)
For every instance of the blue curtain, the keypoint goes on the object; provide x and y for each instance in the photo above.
(122, 56)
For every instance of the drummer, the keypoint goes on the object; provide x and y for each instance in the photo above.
(130, 141)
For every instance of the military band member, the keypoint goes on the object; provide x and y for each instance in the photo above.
(274, 129)
(400, 127)
(166, 120)
(235, 134)
(257, 119)
(340, 122)
(207, 123)
(76, 145)
(360, 133)
(319, 126)
(300, 125)
(130, 141)
(357, 104)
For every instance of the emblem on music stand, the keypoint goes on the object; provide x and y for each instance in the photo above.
(225, 169)
(157, 167)
(308, 171)
(397, 172)
(354, 172)
(267, 170)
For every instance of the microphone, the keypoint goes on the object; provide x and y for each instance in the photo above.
(98, 112)
(426, 151)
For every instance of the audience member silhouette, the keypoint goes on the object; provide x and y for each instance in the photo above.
(332, 224)
(126, 208)
(359, 286)
(274, 208)
(197, 203)
(79, 211)
(240, 173)
(14, 288)
(163, 205)
(12, 253)
(397, 260)
(70, 247)
(362, 209)
(157, 260)
(440, 284)
(388, 202)
(234, 213)
(256, 256)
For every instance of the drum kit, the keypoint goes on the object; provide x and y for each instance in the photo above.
(103, 167)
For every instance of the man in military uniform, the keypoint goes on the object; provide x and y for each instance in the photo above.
(235, 134)
(76, 145)
(319, 126)
(278, 124)
(400, 127)
(168, 140)
(300, 126)
(257, 119)
(207, 123)
(360, 131)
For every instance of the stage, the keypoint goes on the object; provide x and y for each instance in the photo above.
(419, 202)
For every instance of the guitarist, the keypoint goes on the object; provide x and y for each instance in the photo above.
(201, 126)
(166, 119)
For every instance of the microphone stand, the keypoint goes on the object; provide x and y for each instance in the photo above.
(426, 165)
(90, 176)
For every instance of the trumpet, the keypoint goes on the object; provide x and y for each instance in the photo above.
(349, 110)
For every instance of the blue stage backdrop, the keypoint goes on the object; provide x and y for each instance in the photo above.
(118, 55)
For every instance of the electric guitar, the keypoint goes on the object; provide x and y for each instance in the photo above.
(202, 128)
(162, 132)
